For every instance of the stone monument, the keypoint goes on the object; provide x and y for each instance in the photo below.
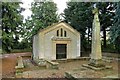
(96, 55)
(96, 63)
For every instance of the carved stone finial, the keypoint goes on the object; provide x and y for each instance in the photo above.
(95, 10)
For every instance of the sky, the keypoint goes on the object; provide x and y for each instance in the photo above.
(61, 5)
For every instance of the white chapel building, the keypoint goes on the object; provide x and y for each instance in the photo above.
(58, 41)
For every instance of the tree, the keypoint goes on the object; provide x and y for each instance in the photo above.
(115, 29)
(43, 15)
(79, 16)
(106, 17)
(11, 21)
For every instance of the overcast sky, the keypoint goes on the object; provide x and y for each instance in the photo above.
(61, 5)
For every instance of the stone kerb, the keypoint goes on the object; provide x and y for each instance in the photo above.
(19, 67)
(51, 64)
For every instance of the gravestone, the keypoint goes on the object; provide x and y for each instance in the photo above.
(19, 67)
(19, 62)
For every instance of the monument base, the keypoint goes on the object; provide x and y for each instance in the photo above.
(96, 65)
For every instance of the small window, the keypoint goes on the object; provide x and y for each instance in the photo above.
(65, 34)
(57, 32)
(61, 32)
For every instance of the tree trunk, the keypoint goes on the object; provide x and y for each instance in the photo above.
(104, 37)
(88, 35)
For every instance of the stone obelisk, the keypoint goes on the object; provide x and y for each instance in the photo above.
(96, 55)
(96, 61)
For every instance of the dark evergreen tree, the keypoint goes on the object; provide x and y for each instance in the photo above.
(79, 16)
(115, 29)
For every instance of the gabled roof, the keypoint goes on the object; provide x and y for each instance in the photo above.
(56, 25)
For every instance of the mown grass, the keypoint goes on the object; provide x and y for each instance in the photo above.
(15, 51)
(21, 50)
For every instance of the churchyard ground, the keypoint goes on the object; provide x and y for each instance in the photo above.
(9, 62)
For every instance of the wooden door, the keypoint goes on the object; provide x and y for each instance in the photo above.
(61, 50)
